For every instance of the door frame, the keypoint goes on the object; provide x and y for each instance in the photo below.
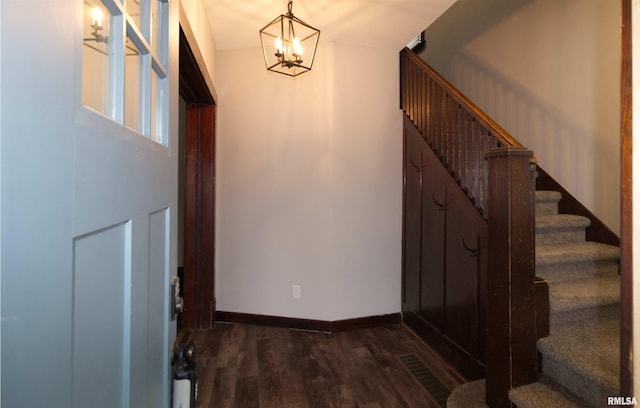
(626, 191)
(196, 88)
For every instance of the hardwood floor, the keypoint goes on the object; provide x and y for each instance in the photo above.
(255, 366)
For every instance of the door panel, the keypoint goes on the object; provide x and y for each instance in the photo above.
(466, 271)
(462, 288)
(101, 322)
(412, 222)
(433, 247)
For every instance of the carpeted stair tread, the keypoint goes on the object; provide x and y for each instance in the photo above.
(581, 294)
(544, 394)
(584, 359)
(561, 221)
(577, 260)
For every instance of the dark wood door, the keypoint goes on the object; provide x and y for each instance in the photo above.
(465, 255)
(435, 199)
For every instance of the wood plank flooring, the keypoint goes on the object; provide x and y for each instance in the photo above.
(261, 367)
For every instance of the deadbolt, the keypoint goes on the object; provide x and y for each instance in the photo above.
(177, 303)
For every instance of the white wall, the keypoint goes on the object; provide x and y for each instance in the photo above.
(196, 15)
(549, 72)
(309, 185)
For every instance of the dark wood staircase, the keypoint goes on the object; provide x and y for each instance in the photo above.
(516, 294)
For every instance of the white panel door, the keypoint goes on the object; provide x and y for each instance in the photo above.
(88, 198)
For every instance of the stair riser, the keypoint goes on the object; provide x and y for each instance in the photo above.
(564, 236)
(584, 316)
(580, 270)
(592, 391)
(547, 208)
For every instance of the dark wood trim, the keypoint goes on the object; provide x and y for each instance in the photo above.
(274, 321)
(458, 358)
(199, 190)
(365, 322)
(541, 287)
(511, 325)
(325, 326)
(193, 86)
(199, 213)
(626, 227)
(597, 231)
(190, 280)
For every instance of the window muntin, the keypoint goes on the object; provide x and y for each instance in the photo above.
(125, 63)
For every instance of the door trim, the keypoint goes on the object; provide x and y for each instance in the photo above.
(626, 227)
(198, 286)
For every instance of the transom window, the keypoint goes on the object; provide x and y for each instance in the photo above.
(124, 63)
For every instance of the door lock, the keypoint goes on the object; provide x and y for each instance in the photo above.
(177, 303)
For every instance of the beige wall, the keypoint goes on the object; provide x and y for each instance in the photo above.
(548, 71)
(309, 181)
(196, 15)
(309, 185)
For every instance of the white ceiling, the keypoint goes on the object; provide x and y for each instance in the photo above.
(373, 23)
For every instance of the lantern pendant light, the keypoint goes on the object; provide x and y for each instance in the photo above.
(289, 44)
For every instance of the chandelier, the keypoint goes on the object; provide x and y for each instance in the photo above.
(289, 44)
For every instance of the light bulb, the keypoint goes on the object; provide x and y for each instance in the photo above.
(297, 47)
(96, 13)
(279, 45)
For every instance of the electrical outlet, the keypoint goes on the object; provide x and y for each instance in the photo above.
(295, 292)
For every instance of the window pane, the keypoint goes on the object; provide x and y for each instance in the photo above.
(156, 113)
(159, 31)
(155, 24)
(145, 21)
(134, 11)
(132, 86)
(95, 57)
(122, 78)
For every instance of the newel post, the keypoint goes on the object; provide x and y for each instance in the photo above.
(511, 357)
